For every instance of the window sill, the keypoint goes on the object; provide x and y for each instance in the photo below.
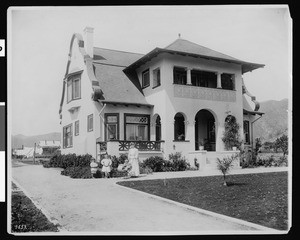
(181, 140)
(145, 86)
(74, 99)
(156, 86)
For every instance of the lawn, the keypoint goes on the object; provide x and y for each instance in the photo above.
(25, 217)
(259, 198)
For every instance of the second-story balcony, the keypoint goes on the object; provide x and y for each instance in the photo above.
(204, 93)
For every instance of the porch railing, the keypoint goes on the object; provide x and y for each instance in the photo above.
(140, 145)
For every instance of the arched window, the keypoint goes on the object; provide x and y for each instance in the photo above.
(179, 127)
(157, 129)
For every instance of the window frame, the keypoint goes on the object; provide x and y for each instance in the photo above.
(89, 128)
(117, 124)
(143, 79)
(174, 74)
(176, 135)
(233, 81)
(65, 137)
(246, 133)
(76, 128)
(137, 115)
(71, 83)
(156, 78)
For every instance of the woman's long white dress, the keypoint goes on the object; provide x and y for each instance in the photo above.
(133, 157)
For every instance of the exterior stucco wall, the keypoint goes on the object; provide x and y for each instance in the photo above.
(85, 141)
(167, 105)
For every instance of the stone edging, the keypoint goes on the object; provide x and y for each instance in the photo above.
(262, 229)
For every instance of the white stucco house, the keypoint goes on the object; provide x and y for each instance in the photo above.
(168, 100)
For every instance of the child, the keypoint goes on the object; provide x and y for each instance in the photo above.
(106, 162)
(94, 167)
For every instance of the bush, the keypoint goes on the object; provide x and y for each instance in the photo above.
(145, 170)
(115, 173)
(179, 162)
(157, 164)
(68, 160)
(116, 161)
(77, 172)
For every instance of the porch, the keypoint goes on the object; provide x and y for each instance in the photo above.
(118, 147)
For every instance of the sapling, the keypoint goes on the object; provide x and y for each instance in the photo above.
(224, 165)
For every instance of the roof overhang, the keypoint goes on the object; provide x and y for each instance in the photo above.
(252, 112)
(246, 66)
(126, 103)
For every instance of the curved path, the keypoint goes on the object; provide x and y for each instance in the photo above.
(99, 205)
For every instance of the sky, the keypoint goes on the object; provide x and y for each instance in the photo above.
(39, 38)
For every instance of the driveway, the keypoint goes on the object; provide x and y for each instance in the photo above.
(99, 205)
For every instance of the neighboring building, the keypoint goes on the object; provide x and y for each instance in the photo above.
(49, 146)
(26, 151)
(169, 100)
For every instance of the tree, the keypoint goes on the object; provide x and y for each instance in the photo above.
(224, 165)
(231, 136)
(282, 143)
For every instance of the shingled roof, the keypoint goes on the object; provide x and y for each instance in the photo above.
(248, 109)
(186, 48)
(117, 86)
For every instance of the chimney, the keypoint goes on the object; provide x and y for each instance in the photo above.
(89, 41)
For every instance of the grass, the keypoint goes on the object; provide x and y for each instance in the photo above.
(25, 215)
(258, 198)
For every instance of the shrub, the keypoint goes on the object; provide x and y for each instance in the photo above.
(145, 170)
(77, 172)
(68, 160)
(178, 162)
(155, 163)
(118, 160)
(231, 136)
(115, 173)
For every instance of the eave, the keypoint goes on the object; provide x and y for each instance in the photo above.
(246, 66)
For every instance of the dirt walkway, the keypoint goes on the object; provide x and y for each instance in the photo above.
(98, 205)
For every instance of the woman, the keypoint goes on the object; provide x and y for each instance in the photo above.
(133, 157)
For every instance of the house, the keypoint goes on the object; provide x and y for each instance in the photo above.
(168, 100)
(49, 147)
(26, 152)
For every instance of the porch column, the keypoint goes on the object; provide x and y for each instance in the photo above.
(219, 84)
(189, 79)
(190, 134)
(219, 134)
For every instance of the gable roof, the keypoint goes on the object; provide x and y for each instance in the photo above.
(117, 86)
(186, 48)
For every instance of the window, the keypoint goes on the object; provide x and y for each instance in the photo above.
(179, 127)
(179, 75)
(67, 136)
(76, 132)
(145, 79)
(246, 132)
(157, 129)
(90, 123)
(137, 127)
(156, 77)
(203, 79)
(73, 87)
(227, 81)
(112, 126)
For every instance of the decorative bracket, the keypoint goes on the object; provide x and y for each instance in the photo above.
(253, 98)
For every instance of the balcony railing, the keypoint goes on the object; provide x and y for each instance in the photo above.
(140, 145)
(204, 93)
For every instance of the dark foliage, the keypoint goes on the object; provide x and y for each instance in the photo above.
(25, 217)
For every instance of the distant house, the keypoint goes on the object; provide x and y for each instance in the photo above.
(169, 100)
(49, 146)
(26, 151)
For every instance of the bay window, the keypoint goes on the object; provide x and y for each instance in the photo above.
(137, 127)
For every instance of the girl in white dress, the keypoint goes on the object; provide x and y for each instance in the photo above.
(133, 157)
(106, 163)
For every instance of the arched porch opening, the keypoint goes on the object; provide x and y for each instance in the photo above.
(157, 124)
(205, 131)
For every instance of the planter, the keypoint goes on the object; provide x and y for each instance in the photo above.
(234, 149)
(201, 148)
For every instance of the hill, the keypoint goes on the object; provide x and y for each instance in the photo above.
(28, 141)
(274, 122)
